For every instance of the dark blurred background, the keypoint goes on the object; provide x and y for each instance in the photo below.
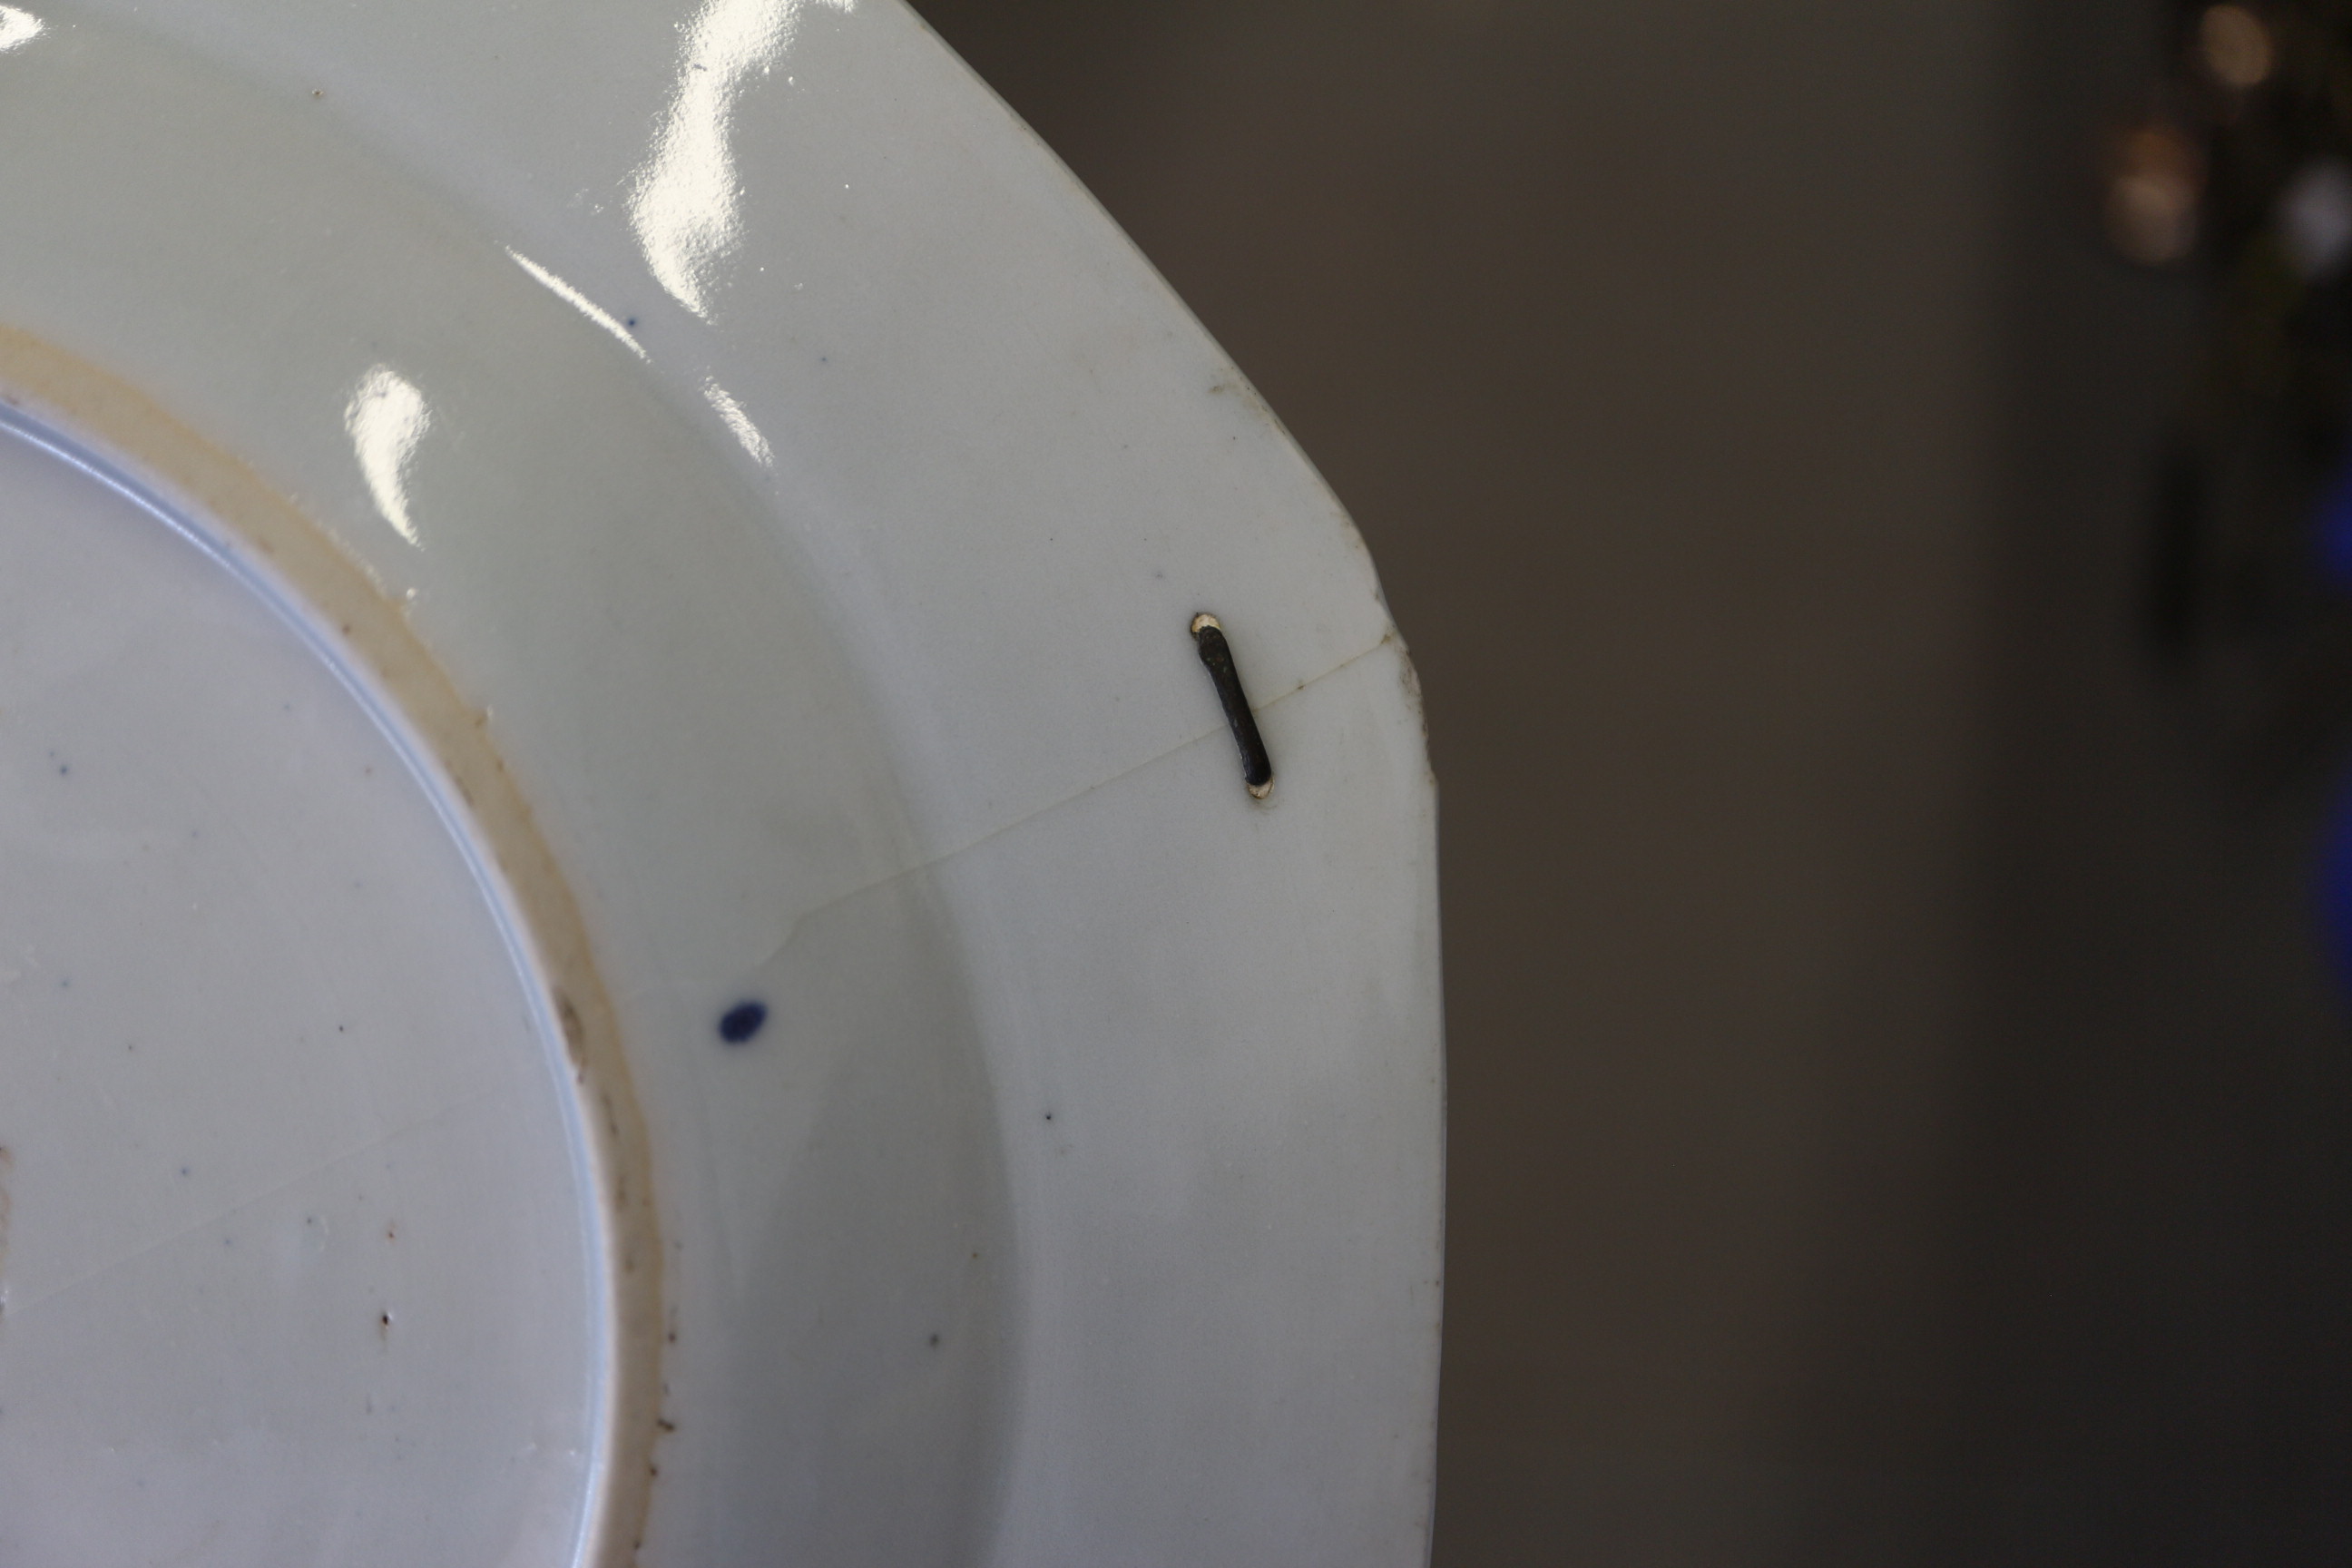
(1899, 1096)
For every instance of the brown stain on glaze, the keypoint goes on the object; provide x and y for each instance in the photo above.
(1231, 381)
(575, 1032)
(273, 539)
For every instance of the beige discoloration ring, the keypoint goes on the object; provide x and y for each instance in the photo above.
(272, 539)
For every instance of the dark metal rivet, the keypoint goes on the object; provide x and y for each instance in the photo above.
(1257, 768)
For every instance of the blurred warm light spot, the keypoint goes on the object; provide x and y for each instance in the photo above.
(2235, 47)
(2155, 179)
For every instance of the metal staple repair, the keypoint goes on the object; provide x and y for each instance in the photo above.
(1257, 768)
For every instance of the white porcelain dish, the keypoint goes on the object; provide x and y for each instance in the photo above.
(534, 540)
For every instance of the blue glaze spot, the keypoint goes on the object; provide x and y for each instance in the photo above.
(743, 1021)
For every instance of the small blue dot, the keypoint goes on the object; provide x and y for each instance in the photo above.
(743, 1021)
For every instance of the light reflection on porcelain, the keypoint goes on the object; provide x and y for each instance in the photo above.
(18, 28)
(387, 417)
(732, 412)
(578, 302)
(685, 201)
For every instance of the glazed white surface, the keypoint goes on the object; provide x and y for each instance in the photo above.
(271, 1083)
(816, 489)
